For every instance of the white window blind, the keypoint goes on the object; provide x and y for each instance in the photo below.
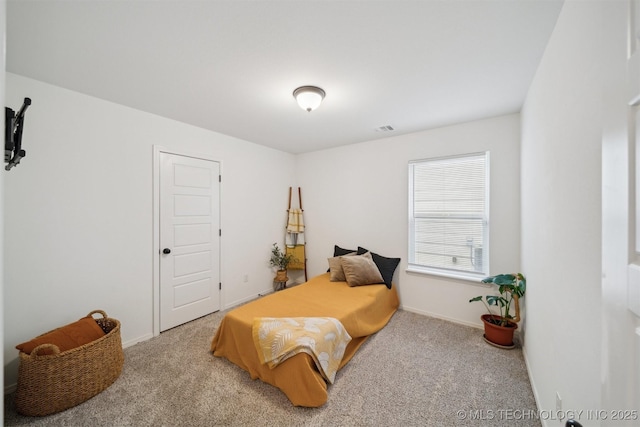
(449, 215)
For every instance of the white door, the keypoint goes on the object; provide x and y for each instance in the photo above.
(189, 239)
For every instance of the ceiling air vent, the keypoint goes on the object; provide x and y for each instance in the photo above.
(385, 128)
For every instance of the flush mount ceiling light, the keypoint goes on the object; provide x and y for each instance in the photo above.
(308, 97)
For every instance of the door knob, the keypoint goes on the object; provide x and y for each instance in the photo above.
(166, 251)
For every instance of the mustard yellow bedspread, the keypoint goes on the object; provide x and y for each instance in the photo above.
(362, 310)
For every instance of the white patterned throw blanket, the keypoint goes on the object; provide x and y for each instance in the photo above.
(323, 338)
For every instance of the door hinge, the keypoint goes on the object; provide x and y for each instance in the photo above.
(219, 231)
(219, 178)
(220, 286)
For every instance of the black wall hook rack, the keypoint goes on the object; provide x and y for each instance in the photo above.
(13, 126)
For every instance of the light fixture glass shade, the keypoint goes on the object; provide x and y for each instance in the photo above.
(309, 97)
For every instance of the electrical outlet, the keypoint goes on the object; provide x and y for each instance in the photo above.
(245, 278)
(558, 402)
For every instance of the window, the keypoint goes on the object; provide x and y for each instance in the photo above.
(449, 216)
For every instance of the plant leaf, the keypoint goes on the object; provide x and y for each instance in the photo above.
(492, 299)
(504, 279)
(496, 300)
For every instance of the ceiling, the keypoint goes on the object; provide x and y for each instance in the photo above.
(231, 66)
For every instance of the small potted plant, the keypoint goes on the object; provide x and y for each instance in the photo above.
(281, 261)
(499, 328)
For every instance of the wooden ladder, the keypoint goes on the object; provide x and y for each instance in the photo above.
(293, 248)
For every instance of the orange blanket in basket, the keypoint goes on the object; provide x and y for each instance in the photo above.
(363, 310)
(67, 337)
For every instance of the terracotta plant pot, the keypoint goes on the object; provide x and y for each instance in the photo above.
(501, 335)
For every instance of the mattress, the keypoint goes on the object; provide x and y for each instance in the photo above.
(363, 310)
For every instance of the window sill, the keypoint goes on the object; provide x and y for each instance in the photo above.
(472, 278)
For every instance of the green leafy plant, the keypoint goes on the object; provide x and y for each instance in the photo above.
(511, 288)
(279, 258)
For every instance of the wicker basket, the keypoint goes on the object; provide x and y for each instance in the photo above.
(52, 383)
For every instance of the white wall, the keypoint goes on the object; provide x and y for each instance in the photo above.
(79, 214)
(620, 344)
(561, 213)
(3, 22)
(358, 195)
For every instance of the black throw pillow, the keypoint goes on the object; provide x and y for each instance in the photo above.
(387, 266)
(338, 251)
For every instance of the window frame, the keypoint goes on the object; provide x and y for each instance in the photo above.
(412, 266)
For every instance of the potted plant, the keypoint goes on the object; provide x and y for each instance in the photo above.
(281, 261)
(499, 328)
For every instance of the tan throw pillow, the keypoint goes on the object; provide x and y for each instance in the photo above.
(361, 270)
(335, 268)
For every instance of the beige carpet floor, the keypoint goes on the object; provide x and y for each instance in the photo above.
(417, 371)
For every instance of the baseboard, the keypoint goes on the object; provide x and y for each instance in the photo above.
(439, 316)
(247, 299)
(533, 385)
(135, 341)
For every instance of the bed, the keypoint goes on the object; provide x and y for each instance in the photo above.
(362, 310)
